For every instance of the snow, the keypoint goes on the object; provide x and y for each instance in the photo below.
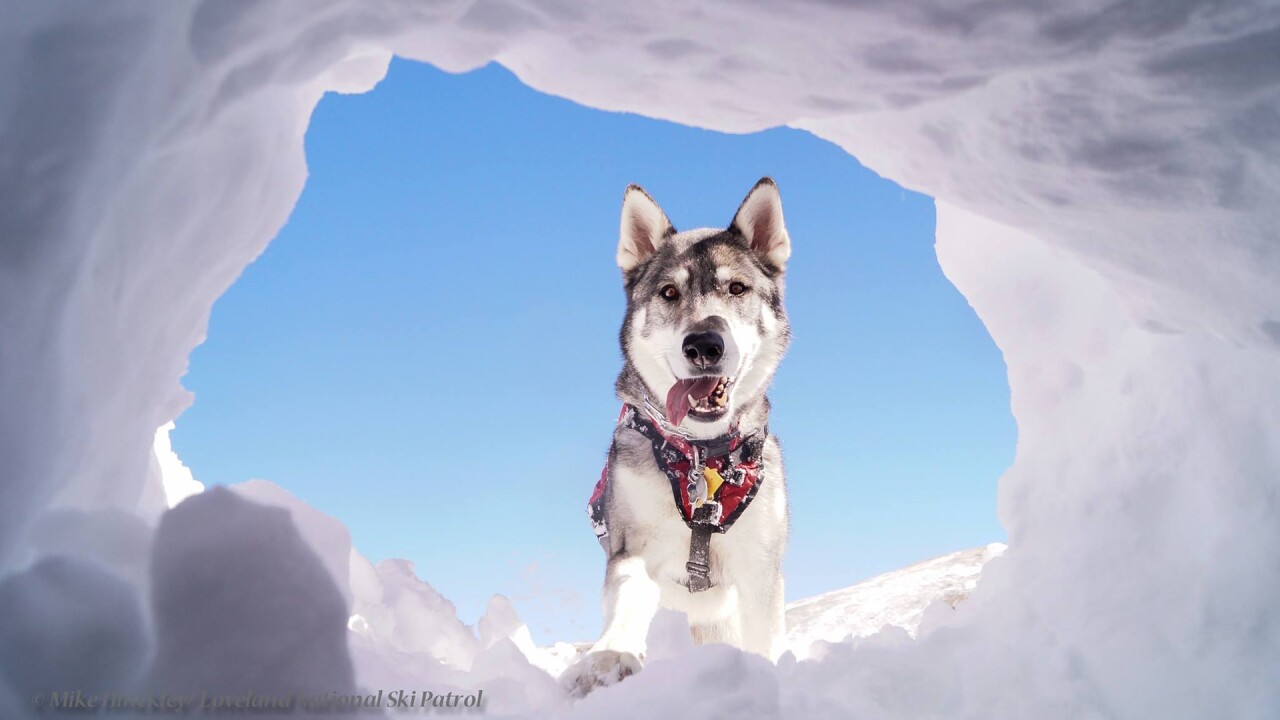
(894, 599)
(325, 535)
(1106, 178)
(178, 481)
(409, 616)
(242, 604)
(50, 609)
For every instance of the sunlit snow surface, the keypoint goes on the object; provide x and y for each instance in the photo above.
(894, 599)
(1106, 176)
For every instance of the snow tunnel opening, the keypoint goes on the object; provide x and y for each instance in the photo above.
(347, 330)
(1104, 190)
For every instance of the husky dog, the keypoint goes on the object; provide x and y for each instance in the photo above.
(704, 331)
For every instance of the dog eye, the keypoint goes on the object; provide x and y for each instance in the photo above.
(737, 288)
(669, 292)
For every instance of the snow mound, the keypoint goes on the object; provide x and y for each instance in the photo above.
(70, 625)
(410, 616)
(327, 536)
(243, 604)
(898, 599)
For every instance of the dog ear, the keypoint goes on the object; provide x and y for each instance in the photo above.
(759, 220)
(644, 228)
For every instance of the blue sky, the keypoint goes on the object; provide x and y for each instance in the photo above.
(427, 350)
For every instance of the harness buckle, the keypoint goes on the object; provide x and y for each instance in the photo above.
(699, 565)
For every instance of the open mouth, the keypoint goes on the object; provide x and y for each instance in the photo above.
(702, 398)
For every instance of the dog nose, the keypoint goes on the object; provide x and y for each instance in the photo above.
(703, 349)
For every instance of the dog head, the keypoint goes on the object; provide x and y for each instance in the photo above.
(705, 327)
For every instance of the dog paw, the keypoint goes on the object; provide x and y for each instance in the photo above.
(600, 668)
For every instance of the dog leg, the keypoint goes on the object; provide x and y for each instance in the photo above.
(764, 619)
(630, 601)
(726, 630)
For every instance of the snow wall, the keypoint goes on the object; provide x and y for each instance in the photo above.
(1107, 178)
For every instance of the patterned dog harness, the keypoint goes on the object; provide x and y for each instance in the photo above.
(712, 483)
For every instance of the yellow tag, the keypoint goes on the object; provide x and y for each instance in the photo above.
(714, 481)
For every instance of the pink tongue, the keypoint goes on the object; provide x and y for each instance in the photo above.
(678, 396)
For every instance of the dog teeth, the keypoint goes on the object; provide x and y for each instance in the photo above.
(718, 399)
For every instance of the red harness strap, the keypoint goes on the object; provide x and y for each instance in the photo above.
(712, 483)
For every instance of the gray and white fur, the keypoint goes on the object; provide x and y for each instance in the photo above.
(699, 303)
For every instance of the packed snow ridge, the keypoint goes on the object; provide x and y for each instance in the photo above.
(895, 599)
(1105, 175)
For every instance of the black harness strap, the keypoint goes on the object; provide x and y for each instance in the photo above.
(699, 565)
